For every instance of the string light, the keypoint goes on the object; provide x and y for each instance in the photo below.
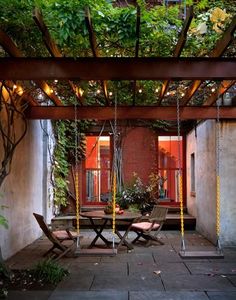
(98, 91)
(56, 80)
(182, 94)
(213, 90)
(81, 92)
(140, 91)
(110, 93)
(14, 86)
(157, 90)
(168, 94)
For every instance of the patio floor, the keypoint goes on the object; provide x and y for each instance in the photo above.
(156, 272)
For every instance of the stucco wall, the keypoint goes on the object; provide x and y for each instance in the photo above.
(23, 191)
(228, 183)
(203, 205)
(190, 148)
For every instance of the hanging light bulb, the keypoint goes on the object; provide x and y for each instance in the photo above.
(14, 87)
(110, 94)
(156, 90)
(140, 91)
(98, 91)
(168, 94)
(213, 90)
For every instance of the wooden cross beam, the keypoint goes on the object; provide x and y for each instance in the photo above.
(94, 47)
(218, 51)
(10, 47)
(129, 112)
(178, 49)
(118, 68)
(52, 46)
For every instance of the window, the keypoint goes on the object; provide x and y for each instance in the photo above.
(170, 157)
(97, 169)
(193, 173)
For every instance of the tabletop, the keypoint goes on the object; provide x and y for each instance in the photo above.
(127, 215)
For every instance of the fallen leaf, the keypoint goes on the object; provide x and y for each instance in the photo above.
(157, 272)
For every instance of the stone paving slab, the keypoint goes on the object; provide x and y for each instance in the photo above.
(222, 267)
(232, 279)
(196, 283)
(127, 283)
(222, 295)
(75, 282)
(29, 295)
(83, 268)
(89, 295)
(166, 256)
(168, 295)
(144, 268)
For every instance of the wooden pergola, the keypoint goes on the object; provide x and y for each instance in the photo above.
(215, 67)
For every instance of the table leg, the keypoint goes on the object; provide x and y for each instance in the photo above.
(99, 233)
(123, 239)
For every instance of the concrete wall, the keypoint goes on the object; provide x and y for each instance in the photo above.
(202, 142)
(228, 183)
(24, 191)
(190, 148)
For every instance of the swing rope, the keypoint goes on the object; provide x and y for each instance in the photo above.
(180, 181)
(218, 178)
(114, 175)
(76, 181)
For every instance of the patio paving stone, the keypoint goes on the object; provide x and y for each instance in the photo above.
(75, 282)
(28, 295)
(216, 267)
(127, 283)
(222, 295)
(196, 282)
(168, 295)
(89, 295)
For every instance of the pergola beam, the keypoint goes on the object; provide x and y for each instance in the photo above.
(94, 47)
(10, 47)
(136, 47)
(218, 51)
(224, 86)
(129, 112)
(52, 46)
(178, 49)
(118, 68)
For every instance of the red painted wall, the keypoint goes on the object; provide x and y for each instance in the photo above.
(139, 154)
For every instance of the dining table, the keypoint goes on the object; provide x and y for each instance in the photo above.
(127, 219)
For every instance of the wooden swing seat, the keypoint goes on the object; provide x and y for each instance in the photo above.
(201, 254)
(95, 252)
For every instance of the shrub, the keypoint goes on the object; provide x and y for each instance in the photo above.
(50, 271)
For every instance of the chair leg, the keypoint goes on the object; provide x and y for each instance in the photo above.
(50, 250)
(137, 238)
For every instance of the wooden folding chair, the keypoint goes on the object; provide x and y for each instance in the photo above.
(57, 238)
(150, 226)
